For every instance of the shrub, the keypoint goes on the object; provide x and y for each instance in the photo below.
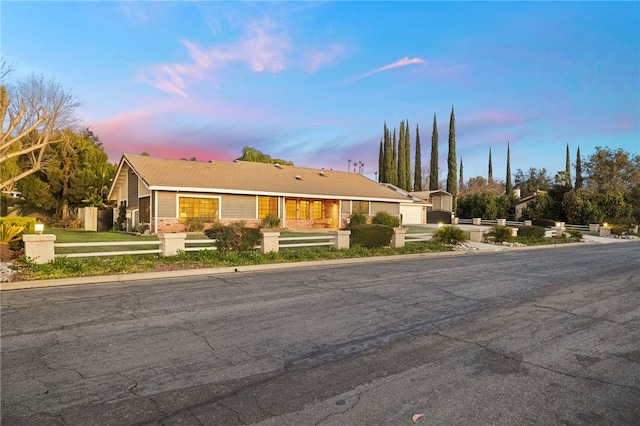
(450, 235)
(531, 231)
(193, 224)
(357, 219)
(500, 234)
(121, 220)
(370, 235)
(386, 219)
(574, 234)
(234, 238)
(70, 223)
(29, 223)
(621, 229)
(270, 221)
(546, 223)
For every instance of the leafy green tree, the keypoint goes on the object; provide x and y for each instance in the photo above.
(508, 186)
(253, 155)
(584, 206)
(77, 174)
(531, 181)
(578, 170)
(609, 171)
(538, 208)
(417, 171)
(433, 169)
(452, 175)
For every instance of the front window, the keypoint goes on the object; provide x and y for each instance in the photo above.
(291, 207)
(267, 206)
(203, 208)
(304, 209)
(359, 207)
(316, 210)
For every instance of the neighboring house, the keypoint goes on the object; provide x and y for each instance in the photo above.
(168, 195)
(414, 210)
(522, 203)
(441, 203)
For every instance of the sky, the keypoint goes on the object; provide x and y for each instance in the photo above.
(315, 82)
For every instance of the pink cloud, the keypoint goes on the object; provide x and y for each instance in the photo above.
(499, 117)
(262, 50)
(400, 63)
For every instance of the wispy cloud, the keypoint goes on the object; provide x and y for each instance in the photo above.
(263, 49)
(314, 60)
(397, 64)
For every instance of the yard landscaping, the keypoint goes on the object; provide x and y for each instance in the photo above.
(65, 267)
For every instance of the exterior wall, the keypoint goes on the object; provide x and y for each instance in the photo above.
(239, 207)
(413, 214)
(345, 207)
(143, 190)
(167, 205)
(132, 189)
(391, 208)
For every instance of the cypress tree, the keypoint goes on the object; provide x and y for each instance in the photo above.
(490, 177)
(388, 156)
(567, 169)
(417, 172)
(393, 173)
(402, 166)
(433, 168)
(508, 185)
(380, 162)
(407, 157)
(578, 170)
(461, 177)
(452, 175)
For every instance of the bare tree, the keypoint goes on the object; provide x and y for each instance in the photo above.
(32, 112)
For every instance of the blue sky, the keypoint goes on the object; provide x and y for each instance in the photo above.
(313, 83)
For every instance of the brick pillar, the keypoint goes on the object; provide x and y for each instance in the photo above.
(341, 239)
(171, 243)
(39, 248)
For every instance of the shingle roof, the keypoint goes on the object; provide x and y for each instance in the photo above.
(255, 178)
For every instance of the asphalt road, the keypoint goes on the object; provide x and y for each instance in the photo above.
(517, 337)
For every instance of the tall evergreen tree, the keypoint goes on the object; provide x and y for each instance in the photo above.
(567, 169)
(579, 179)
(388, 156)
(407, 157)
(380, 161)
(508, 185)
(393, 173)
(402, 166)
(461, 177)
(417, 171)
(452, 175)
(433, 167)
(490, 177)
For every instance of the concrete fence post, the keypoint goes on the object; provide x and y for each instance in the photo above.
(340, 239)
(397, 239)
(514, 232)
(528, 223)
(502, 222)
(171, 243)
(593, 227)
(476, 236)
(605, 231)
(270, 242)
(477, 221)
(39, 248)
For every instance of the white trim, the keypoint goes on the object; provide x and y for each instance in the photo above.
(179, 195)
(155, 202)
(180, 189)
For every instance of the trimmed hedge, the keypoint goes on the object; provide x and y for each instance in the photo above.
(234, 238)
(531, 231)
(357, 219)
(546, 223)
(370, 236)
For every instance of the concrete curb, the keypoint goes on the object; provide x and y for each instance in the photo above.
(62, 282)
